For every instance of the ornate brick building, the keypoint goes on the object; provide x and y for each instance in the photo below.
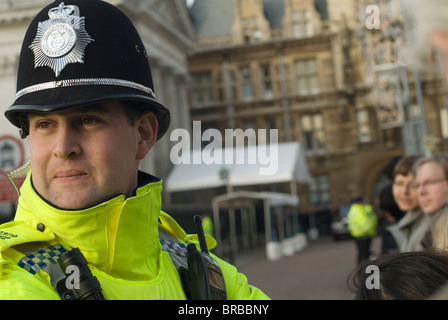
(312, 70)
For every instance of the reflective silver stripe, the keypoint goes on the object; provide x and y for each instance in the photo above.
(84, 82)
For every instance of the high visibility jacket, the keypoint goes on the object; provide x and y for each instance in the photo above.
(119, 238)
(362, 220)
(207, 224)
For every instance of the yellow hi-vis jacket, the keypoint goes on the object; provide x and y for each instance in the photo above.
(119, 238)
(362, 220)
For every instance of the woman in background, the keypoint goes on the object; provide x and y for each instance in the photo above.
(415, 225)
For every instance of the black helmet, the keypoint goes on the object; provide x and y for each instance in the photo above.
(81, 52)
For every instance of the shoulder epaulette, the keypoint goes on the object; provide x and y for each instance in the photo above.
(20, 232)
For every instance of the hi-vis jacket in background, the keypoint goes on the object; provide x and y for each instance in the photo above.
(119, 238)
(362, 220)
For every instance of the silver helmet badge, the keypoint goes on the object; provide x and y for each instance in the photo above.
(60, 40)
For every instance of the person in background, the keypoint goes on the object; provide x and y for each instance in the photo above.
(431, 184)
(417, 275)
(414, 225)
(362, 223)
(391, 237)
(431, 33)
(207, 224)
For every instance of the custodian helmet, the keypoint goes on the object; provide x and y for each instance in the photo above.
(80, 52)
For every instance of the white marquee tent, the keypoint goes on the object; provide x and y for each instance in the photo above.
(202, 171)
(287, 161)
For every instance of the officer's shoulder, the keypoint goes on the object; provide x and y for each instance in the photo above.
(168, 225)
(19, 232)
(16, 282)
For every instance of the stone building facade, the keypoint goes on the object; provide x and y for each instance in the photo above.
(308, 69)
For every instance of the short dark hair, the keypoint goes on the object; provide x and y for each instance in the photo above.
(404, 165)
(133, 110)
(402, 276)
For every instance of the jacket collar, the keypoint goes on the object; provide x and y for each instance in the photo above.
(119, 236)
(411, 217)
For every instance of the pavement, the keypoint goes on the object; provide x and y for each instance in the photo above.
(318, 272)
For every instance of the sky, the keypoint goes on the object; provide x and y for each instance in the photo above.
(190, 2)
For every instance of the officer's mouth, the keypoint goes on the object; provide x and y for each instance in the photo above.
(70, 176)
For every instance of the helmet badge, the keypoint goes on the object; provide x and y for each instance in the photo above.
(60, 40)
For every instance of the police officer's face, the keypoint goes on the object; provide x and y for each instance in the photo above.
(83, 156)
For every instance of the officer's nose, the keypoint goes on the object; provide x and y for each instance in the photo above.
(67, 144)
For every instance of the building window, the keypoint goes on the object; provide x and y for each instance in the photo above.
(266, 81)
(250, 28)
(249, 124)
(246, 85)
(415, 111)
(301, 24)
(246, 36)
(202, 90)
(313, 132)
(205, 125)
(306, 77)
(319, 190)
(270, 124)
(362, 120)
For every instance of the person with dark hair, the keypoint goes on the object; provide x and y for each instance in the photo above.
(414, 275)
(388, 169)
(415, 225)
(391, 237)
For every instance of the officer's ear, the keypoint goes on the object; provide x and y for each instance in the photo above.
(147, 126)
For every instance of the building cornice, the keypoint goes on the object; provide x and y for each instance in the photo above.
(20, 11)
(223, 43)
(147, 13)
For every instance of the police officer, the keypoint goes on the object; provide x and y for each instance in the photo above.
(85, 98)
(362, 222)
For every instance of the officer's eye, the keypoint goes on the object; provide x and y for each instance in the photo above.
(42, 124)
(89, 120)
